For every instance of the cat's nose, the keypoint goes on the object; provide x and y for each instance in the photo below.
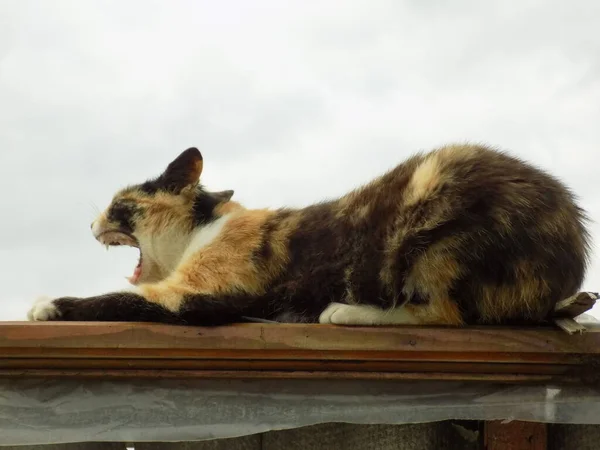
(92, 226)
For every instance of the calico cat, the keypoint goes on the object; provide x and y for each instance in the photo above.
(460, 235)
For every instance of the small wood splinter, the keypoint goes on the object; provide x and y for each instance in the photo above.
(568, 309)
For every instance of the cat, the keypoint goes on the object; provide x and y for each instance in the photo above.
(459, 235)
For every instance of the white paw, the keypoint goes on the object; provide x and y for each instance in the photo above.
(42, 310)
(327, 315)
(342, 314)
(365, 315)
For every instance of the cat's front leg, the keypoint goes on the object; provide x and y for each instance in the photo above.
(110, 307)
(161, 302)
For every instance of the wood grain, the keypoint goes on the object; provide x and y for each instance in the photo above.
(146, 350)
(293, 336)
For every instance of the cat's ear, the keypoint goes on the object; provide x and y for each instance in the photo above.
(184, 171)
(223, 196)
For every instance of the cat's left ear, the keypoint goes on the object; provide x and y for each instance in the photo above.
(183, 172)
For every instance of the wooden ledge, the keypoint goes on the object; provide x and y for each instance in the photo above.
(142, 350)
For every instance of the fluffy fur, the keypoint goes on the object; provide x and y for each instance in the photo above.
(460, 235)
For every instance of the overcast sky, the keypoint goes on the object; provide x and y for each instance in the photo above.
(290, 102)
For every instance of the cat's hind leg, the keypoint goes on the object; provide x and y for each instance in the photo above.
(439, 310)
(366, 315)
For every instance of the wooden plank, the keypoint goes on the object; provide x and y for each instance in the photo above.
(571, 326)
(515, 435)
(296, 351)
(575, 305)
(84, 335)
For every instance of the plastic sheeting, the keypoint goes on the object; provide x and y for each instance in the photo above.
(54, 411)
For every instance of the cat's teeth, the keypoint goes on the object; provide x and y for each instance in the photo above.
(107, 246)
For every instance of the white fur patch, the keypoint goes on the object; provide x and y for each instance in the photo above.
(342, 314)
(162, 253)
(43, 309)
(203, 236)
(132, 289)
(96, 228)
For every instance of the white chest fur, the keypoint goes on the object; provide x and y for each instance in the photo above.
(203, 236)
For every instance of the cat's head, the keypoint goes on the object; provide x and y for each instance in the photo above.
(159, 215)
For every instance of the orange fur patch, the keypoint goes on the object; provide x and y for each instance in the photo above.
(167, 293)
(227, 208)
(518, 300)
(226, 265)
(439, 311)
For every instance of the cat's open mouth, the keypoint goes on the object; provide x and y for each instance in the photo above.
(114, 238)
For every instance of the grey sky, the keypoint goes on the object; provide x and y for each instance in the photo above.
(289, 101)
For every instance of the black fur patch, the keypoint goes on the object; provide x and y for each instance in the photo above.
(320, 252)
(204, 207)
(122, 213)
(178, 175)
(200, 310)
(150, 187)
(206, 310)
(113, 307)
(264, 252)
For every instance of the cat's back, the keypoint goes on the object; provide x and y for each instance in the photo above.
(463, 233)
(491, 234)
(466, 169)
(505, 239)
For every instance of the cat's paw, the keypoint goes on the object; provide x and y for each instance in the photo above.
(365, 315)
(43, 309)
(340, 314)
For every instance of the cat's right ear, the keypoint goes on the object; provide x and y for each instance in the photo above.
(184, 171)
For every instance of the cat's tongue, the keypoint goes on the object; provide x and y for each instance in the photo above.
(133, 279)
